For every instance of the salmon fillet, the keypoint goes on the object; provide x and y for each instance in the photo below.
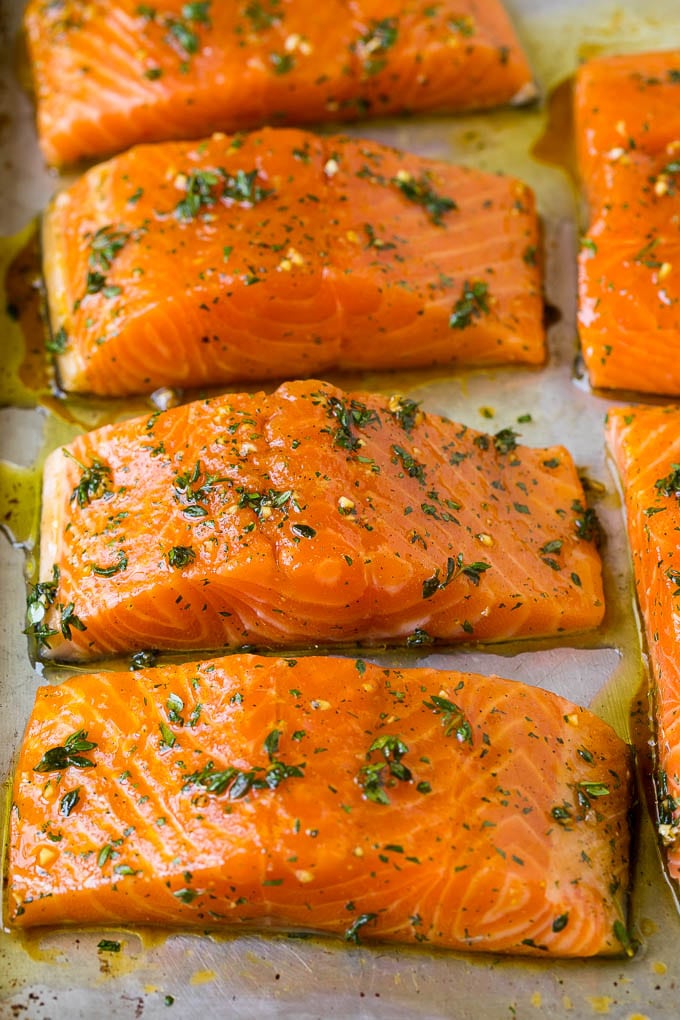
(624, 102)
(110, 74)
(310, 516)
(628, 134)
(281, 254)
(645, 445)
(415, 805)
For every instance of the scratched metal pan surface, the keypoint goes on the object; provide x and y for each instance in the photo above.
(162, 974)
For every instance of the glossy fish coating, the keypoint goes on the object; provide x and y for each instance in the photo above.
(309, 516)
(645, 444)
(281, 254)
(628, 136)
(112, 73)
(416, 805)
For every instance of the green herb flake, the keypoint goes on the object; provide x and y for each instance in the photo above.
(352, 933)
(421, 192)
(94, 481)
(69, 801)
(70, 753)
(57, 342)
(454, 568)
(181, 556)
(115, 568)
(372, 46)
(169, 739)
(374, 777)
(40, 597)
(472, 304)
(454, 720)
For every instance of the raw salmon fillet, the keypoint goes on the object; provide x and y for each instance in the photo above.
(111, 73)
(281, 254)
(628, 102)
(645, 444)
(415, 805)
(628, 135)
(308, 517)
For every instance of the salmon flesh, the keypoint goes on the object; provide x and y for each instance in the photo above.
(628, 133)
(283, 255)
(645, 445)
(112, 73)
(307, 517)
(323, 794)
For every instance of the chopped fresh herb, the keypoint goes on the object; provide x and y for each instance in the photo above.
(472, 304)
(673, 576)
(169, 739)
(419, 637)
(454, 720)
(350, 416)
(174, 707)
(192, 487)
(104, 854)
(373, 778)
(69, 801)
(199, 194)
(560, 923)
(506, 440)
(406, 411)
(464, 26)
(271, 743)
(114, 569)
(186, 895)
(57, 342)
(586, 523)
(282, 63)
(183, 35)
(412, 467)
(644, 256)
(69, 619)
(303, 530)
(105, 244)
(372, 46)
(262, 503)
(263, 15)
(108, 946)
(94, 481)
(237, 783)
(454, 567)
(376, 242)
(669, 485)
(622, 936)
(593, 789)
(562, 813)
(143, 660)
(68, 753)
(242, 188)
(40, 597)
(352, 933)
(180, 556)
(422, 193)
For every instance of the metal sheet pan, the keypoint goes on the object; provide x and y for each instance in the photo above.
(161, 974)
